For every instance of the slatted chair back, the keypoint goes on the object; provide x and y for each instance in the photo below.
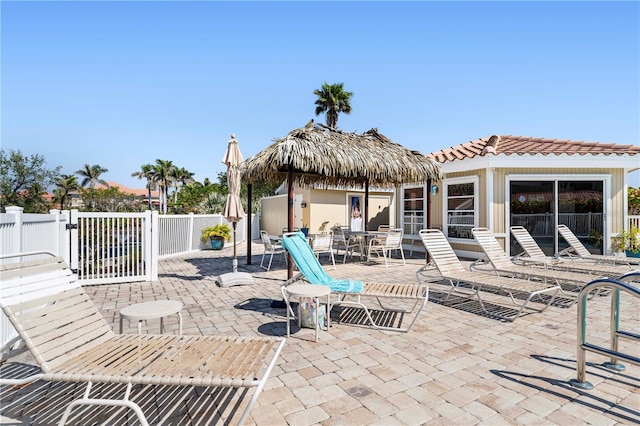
(266, 240)
(526, 241)
(441, 252)
(492, 248)
(573, 241)
(323, 243)
(393, 239)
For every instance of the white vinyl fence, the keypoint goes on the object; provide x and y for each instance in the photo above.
(105, 248)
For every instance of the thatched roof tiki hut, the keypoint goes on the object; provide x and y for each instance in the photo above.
(320, 155)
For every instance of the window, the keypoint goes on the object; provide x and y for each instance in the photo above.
(461, 209)
(413, 204)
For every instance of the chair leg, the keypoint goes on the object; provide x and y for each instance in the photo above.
(270, 259)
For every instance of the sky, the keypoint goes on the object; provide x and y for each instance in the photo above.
(121, 84)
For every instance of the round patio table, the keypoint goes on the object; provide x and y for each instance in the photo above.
(308, 290)
(152, 310)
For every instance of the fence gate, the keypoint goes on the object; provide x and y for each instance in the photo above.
(114, 247)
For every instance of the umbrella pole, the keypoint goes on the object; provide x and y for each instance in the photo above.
(235, 259)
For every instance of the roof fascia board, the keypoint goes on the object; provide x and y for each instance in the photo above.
(542, 161)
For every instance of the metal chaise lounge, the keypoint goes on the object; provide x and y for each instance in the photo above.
(582, 252)
(535, 255)
(502, 265)
(72, 342)
(312, 272)
(472, 284)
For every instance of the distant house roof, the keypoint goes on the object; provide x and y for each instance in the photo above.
(139, 192)
(525, 145)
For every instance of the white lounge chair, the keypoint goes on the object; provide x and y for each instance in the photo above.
(578, 249)
(473, 283)
(72, 342)
(535, 256)
(350, 292)
(502, 265)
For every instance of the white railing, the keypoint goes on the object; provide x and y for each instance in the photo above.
(25, 232)
(181, 233)
(580, 223)
(176, 234)
(634, 221)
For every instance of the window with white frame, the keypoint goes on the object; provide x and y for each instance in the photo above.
(413, 209)
(461, 207)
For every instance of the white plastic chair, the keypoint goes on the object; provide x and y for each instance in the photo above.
(342, 239)
(384, 246)
(323, 243)
(270, 248)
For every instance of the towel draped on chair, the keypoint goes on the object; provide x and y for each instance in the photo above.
(299, 248)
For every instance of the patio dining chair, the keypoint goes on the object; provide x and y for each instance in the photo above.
(270, 248)
(390, 242)
(343, 239)
(323, 243)
(353, 293)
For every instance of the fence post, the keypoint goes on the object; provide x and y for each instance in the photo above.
(56, 230)
(65, 231)
(153, 249)
(17, 227)
(190, 233)
(74, 240)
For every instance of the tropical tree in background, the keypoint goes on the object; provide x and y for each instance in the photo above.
(147, 172)
(64, 186)
(163, 171)
(23, 179)
(180, 176)
(333, 100)
(91, 176)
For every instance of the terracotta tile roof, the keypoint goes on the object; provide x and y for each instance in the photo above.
(134, 191)
(525, 145)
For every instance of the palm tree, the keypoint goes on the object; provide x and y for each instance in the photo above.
(333, 99)
(181, 176)
(163, 171)
(65, 185)
(91, 175)
(147, 172)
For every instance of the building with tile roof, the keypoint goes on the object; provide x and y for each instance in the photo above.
(505, 180)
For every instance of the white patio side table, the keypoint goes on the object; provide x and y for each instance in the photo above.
(308, 290)
(152, 310)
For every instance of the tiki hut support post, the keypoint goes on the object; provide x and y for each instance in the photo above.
(366, 204)
(249, 220)
(290, 215)
(428, 214)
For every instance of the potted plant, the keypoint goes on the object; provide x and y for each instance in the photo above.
(305, 229)
(217, 234)
(628, 242)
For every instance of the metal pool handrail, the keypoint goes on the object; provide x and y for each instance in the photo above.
(616, 333)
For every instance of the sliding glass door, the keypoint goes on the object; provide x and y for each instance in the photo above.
(539, 205)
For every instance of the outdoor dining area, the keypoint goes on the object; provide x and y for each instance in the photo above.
(371, 247)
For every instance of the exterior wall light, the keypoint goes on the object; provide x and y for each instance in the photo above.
(303, 204)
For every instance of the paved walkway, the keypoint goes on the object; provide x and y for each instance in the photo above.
(457, 366)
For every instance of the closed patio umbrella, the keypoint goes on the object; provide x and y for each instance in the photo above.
(233, 210)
